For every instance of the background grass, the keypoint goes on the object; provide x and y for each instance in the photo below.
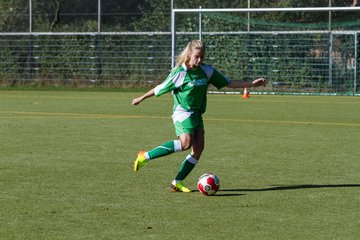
(288, 165)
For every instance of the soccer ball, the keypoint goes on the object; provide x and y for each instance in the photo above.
(208, 184)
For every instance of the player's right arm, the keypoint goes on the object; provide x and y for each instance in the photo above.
(138, 100)
(173, 81)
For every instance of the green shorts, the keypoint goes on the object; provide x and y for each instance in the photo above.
(189, 124)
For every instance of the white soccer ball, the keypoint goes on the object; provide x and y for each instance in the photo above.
(208, 184)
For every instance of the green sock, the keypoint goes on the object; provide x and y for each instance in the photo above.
(165, 149)
(186, 167)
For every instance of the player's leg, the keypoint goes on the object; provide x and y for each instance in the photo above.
(198, 141)
(183, 143)
(159, 151)
(162, 150)
(198, 144)
(191, 160)
(182, 128)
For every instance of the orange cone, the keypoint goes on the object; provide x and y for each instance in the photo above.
(246, 93)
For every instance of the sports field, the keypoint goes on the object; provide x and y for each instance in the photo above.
(288, 165)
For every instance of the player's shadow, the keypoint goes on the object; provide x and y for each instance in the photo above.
(219, 194)
(283, 188)
(228, 194)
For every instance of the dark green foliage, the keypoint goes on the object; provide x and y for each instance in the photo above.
(295, 61)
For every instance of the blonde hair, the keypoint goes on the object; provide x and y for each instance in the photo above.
(184, 56)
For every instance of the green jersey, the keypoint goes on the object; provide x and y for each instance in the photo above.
(189, 87)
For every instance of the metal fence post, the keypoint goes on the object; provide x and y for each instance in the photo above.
(356, 62)
(173, 31)
(30, 54)
(99, 16)
(330, 57)
(200, 25)
(98, 44)
(248, 16)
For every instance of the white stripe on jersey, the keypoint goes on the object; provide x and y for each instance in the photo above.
(177, 80)
(180, 114)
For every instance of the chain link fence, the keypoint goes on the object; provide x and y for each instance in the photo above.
(296, 61)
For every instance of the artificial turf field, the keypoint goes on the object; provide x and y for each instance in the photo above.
(288, 165)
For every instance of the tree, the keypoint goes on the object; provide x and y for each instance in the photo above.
(14, 15)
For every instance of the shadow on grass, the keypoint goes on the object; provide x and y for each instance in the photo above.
(227, 192)
(219, 194)
(290, 187)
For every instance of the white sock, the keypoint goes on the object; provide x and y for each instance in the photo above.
(175, 182)
(177, 146)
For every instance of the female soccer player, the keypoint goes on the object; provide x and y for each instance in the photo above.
(189, 82)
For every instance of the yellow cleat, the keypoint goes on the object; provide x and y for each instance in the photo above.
(140, 161)
(179, 187)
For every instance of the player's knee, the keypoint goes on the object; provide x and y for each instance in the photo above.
(185, 145)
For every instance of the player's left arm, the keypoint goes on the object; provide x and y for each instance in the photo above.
(240, 84)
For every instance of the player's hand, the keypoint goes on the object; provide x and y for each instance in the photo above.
(136, 101)
(259, 82)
